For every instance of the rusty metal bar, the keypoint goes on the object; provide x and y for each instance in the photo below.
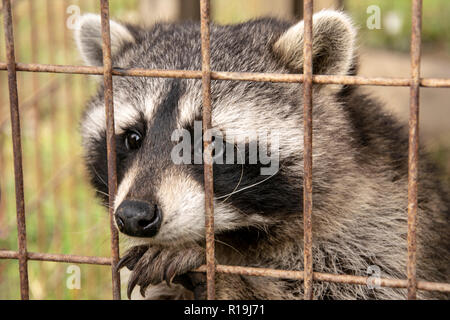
(68, 258)
(413, 158)
(233, 76)
(434, 83)
(17, 148)
(110, 141)
(249, 271)
(207, 153)
(307, 149)
(327, 277)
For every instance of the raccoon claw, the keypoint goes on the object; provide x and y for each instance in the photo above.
(170, 274)
(161, 264)
(169, 279)
(130, 258)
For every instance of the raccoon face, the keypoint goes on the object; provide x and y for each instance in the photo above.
(258, 125)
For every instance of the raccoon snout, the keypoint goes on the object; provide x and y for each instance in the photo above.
(138, 218)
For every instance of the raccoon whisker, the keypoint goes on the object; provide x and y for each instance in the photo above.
(104, 193)
(258, 225)
(229, 245)
(105, 204)
(247, 187)
(98, 175)
(219, 241)
(240, 179)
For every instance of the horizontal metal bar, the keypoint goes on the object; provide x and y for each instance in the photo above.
(67, 258)
(249, 271)
(235, 76)
(328, 277)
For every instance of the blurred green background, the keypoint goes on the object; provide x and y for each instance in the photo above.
(396, 26)
(62, 214)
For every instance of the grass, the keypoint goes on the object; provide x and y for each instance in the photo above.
(62, 214)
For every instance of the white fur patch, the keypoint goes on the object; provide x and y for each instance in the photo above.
(188, 105)
(182, 201)
(125, 186)
(88, 37)
(94, 124)
(328, 26)
(239, 120)
(244, 119)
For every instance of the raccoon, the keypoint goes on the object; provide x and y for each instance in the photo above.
(360, 166)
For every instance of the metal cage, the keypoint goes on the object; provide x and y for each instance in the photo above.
(206, 74)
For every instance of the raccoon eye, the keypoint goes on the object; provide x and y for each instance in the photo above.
(133, 140)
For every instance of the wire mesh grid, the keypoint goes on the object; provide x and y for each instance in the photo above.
(206, 75)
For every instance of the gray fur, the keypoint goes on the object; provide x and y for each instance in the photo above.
(359, 168)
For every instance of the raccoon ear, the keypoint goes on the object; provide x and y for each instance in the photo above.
(333, 44)
(88, 36)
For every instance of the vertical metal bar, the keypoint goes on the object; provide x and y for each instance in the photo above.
(413, 158)
(207, 155)
(307, 153)
(110, 141)
(17, 148)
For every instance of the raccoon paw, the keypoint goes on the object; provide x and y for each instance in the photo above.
(153, 265)
(194, 282)
(131, 257)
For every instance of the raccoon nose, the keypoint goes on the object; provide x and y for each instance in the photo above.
(138, 218)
